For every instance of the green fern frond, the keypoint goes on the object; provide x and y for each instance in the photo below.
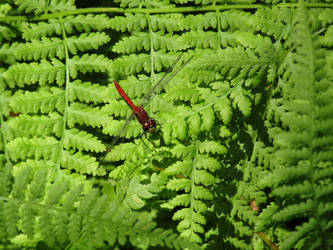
(129, 22)
(22, 148)
(7, 52)
(25, 126)
(275, 25)
(42, 73)
(51, 47)
(241, 99)
(46, 48)
(88, 63)
(82, 140)
(212, 147)
(43, 6)
(193, 179)
(168, 22)
(46, 100)
(236, 62)
(83, 114)
(307, 148)
(135, 193)
(89, 92)
(83, 164)
(80, 23)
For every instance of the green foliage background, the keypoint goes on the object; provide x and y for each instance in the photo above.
(242, 158)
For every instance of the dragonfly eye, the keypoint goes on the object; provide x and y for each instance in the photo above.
(149, 126)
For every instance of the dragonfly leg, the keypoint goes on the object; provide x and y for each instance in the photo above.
(145, 134)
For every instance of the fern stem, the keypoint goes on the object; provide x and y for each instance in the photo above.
(151, 49)
(66, 88)
(158, 11)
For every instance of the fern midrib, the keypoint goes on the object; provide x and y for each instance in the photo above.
(312, 126)
(67, 87)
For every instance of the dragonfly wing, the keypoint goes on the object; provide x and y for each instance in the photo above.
(116, 138)
(166, 77)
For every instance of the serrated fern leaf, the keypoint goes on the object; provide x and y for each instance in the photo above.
(43, 6)
(81, 140)
(26, 125)
(37, 148)
(43, 73)
(45, 101)
(309, 148)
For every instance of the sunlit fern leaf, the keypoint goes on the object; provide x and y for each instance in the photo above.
(182, 151)
(128, 65)
(125, 151)
(276, 24)
(30, 73)
(192, 178)
(80, 23)
(22, 148)
(61, 5)
(183, 92)
(178, 115)
(7, 52)
(129, 22)
(25, 125)
(168, 22)
(117, 109)
(46, 48)
(212, 147)
(113, 127)
(135, 193)
(179, 184)
(83, 114)
(36, 190)
(87, 42)
(207, 39)
(36, 6)
(82, 140)
(45, 100)
(165, 41)
(6, 33)
(132, 64)
(136, 42)
(90, 92)
(89, 63)
(83, 164)
(242, 100)
(230, 62)
(207, 118)
(43, 6)
(136, 86)
(224, 109)
(51, 47)
(194, 124)
(11, 217)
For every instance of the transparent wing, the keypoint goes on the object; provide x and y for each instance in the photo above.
(166, 78)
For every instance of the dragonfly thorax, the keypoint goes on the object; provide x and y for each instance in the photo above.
(149, 126)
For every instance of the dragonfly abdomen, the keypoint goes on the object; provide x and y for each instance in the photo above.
(124, 96)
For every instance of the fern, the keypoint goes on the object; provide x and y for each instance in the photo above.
(241, 156)
(309, 149)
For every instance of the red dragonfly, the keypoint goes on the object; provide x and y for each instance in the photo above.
(148, 124)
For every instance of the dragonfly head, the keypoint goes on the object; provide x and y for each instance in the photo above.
(149, 126)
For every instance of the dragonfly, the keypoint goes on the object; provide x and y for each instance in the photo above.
(148, 124)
